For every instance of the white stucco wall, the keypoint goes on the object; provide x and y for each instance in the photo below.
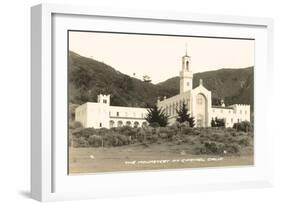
(97, 115)
(125, 115)
(170, 105)
(100, 114)
(81, 114)
(232, 114)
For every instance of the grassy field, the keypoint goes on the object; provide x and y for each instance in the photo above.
(176, 146)
(140, 156)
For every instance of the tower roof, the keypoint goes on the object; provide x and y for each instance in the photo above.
(185, 55)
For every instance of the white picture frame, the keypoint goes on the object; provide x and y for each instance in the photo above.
(49, 180)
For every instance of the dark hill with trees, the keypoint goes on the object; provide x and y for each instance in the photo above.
(88, 78)
(233, 85)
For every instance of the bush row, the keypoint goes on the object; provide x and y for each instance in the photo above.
(205, 140)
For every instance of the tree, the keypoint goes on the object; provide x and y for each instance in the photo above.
(217, 122)
(156, 116)
(184, 116)
(220, 122)
(213, 123)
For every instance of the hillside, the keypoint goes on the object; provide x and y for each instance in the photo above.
(88, 78)
(233, 85)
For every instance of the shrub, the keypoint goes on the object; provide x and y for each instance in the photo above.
(244, 126)
(153, 138)
(218, 137)
(185, 124)
(84, 132)
(80, 142)
(217, 148)
(230, 139)
(232, 148)
(229, 129)
(164, 135)
(154, 124)
(129, 131)
(101, 131)
(141, 134)
(226, 135)
(169, 131)
(95, 141)
(189, 139)
(214, 148)
(176, 126)
(217, 122)
(75, 125)
(123, 140)
(175, 137)
(195, 131)
(186, 130)
(234, 134)
(244, 142)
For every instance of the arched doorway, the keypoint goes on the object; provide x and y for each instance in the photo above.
(199, 120)
(201, 110)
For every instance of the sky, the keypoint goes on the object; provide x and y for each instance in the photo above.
(159, 57)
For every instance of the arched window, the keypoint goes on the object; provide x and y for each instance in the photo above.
(128, 123)
(111, 123)
(187, 65)
(136, 124)
(119, 123)
(144, 124)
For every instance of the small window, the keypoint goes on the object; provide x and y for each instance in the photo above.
(104, 101)
(100, 124)
(187, 84)
(117, 114)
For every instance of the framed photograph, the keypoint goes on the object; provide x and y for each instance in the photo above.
(137, 102)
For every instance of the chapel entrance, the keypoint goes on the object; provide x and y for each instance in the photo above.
(201, 110)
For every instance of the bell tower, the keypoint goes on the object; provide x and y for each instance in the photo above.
(186, 74)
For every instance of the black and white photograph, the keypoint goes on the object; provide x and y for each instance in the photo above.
(150, 102)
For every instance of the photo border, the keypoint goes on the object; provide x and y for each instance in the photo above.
(144, 34)
(42, 87)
